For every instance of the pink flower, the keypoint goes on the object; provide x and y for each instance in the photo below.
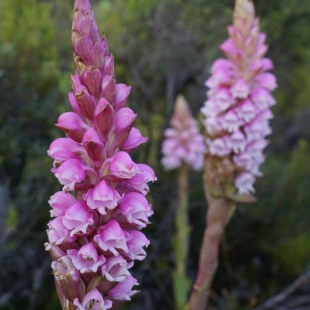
(139, 181)
(136, 240)
(222, 69)
(223, 99)
(93, 300)
(237, 110)
(60, 202)
(86, 258)
(213, 125)
(246, 110)
(237, 141)
(63, 149)
(256, 130)
(73, 125)
(123, 290)
(118, 167)
(102, 197)
(58, 233)
(133, 140)
(69, 173)
(78, 218)
(244, 182)
(111, 237)
(171, 162)
(116, 269)
(267, 80)
(230, 121)
(240, 89)
(219, 147)
(262, 98)
(136, 209)
(211, 108)
(229, 48)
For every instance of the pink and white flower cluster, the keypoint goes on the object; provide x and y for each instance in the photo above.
(237, 111)
(183, 143)
(94, 236)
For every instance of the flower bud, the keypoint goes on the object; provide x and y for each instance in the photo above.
(108, 88)
(104, 116)
(122, 93)
(73, 125)
(68, 278)
(122, 125)
(85, 101)
(93, 144)
(92, 79)
(95, 56)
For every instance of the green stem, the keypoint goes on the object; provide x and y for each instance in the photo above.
(181, 220)
(180, 281)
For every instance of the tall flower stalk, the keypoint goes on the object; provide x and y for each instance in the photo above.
(183, 149)
(94, 236)
(237, 115)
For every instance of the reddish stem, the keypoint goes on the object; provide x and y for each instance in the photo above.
(219, 213)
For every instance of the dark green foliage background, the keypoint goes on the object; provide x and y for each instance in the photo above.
(161, 48)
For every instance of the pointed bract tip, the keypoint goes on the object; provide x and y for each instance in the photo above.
(181, 109)
(82, 4)
(244, 10)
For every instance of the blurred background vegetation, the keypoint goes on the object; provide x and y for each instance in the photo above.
(161, 48)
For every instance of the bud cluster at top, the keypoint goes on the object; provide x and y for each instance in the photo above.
(183, 143)
(237, 111)
(94, 236)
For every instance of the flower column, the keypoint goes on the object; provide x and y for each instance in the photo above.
(183, 148)
(237, 115)
(95, 235)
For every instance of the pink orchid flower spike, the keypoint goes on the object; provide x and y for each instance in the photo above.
(183, 149)
(240, 119)
(94, 236)
(236, 119)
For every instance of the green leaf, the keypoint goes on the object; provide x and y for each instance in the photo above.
(181, 286)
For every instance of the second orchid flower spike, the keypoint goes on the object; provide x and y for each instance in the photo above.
(237, 111)
(183, 149)
(183, 143)
(237, 114)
